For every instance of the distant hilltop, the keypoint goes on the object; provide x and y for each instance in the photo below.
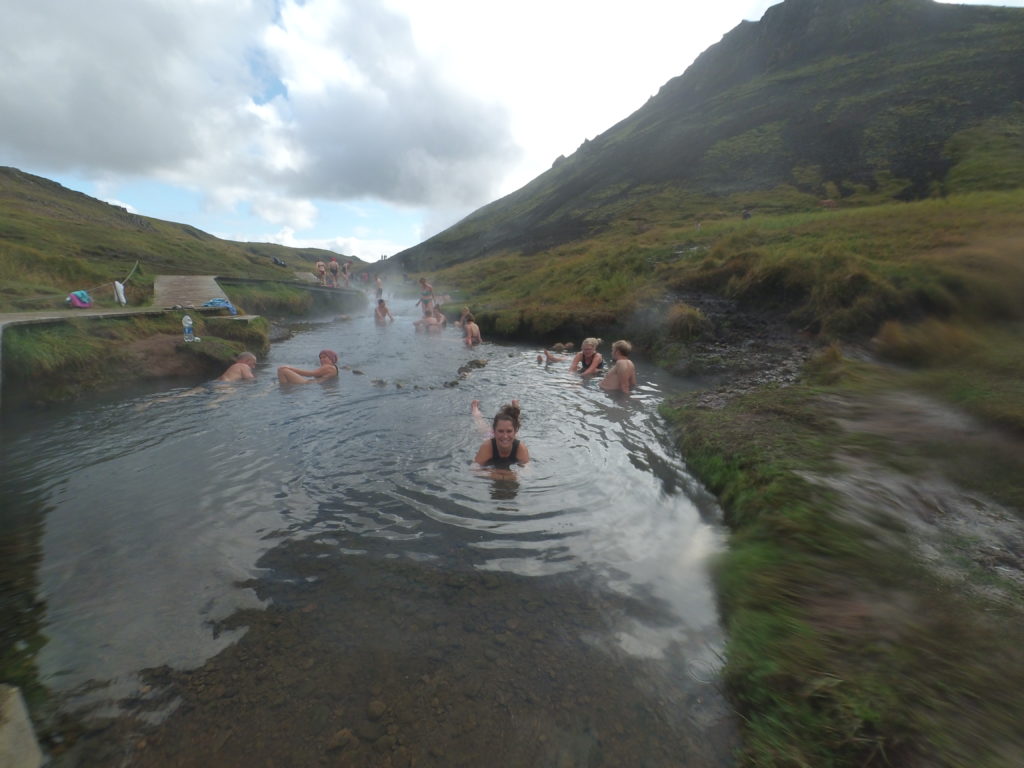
(834, 99)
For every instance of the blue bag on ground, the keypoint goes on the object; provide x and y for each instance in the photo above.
(79, 299)
(218, 302)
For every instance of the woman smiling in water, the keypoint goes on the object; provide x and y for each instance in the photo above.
(503, 449)
(588, 360)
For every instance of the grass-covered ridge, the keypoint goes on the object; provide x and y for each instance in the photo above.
(838, 271)
(849, 100)
(931, 275)
(54, 240)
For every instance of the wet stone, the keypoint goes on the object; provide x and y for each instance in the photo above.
(370, 731)
(376, 709)
(340, 739)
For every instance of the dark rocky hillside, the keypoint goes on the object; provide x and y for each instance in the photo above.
(830, 98)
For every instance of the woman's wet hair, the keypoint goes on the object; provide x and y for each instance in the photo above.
(331, 355)
(507, 413)
(591, 342)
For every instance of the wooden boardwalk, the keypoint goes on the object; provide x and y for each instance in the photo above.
(185, 290)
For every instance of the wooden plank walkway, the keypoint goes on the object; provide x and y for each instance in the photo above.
(185, 290)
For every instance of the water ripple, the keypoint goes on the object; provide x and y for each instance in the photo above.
(172, 497)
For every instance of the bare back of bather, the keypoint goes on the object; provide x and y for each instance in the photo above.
(622, 375)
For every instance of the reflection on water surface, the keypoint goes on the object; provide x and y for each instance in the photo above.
(314, 574)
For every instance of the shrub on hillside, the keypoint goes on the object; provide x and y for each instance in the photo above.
(686, 323)
(926, 343)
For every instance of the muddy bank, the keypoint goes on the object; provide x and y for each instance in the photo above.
(502, 674)
(741, 349)
(45, 364)
(911, 487)
(874, 587)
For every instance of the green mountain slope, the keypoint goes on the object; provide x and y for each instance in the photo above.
(53, 239)
(862, 100)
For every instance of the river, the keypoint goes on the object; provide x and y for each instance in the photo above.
(254, 575)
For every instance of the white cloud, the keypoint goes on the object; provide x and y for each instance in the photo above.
(326, 99)
(120, 204)
(367, 249)
(270, 105)
(302, 214)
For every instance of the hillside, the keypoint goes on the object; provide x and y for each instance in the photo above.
(860, 101)
(53, 240)
(860, 416)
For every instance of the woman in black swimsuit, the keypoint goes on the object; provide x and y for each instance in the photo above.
(588, 360)
(503, 450)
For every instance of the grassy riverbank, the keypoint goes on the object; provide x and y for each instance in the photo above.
(872, 589)
(834, 272)
(57, 361)
(856, 637)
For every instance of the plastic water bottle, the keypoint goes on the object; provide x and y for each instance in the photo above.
(186, 323)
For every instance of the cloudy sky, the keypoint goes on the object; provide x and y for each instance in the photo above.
(363, 126)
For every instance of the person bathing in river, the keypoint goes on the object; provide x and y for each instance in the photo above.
(546, 357)
(471, 330)
(382, 315)
(333, 267)
(503, 449)
(427, 323)
(588, 360)
(328, 369)
(426, 300)
(242, 368)
(621, 376)
(432, 322)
